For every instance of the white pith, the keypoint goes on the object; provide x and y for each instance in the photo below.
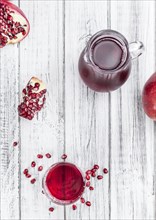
(32, 82)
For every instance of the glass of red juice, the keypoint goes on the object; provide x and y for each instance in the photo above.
(105, 63)
(63, 183)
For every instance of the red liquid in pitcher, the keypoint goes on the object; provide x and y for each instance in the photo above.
(104, 70)
(64, 183)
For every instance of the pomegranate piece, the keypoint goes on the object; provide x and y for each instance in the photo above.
(149, 97)
(14, 26)
(105, 171)
(74, 207)
(33, 98)
(51, 209)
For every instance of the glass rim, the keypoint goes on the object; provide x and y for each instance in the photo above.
(107, 33)
(49, 195)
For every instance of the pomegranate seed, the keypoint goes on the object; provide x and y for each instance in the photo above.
(93, 174)
(40, 168)
(51, 209)
(40, 156)
(94, 170)
(82, 200)
(28, 175)
(88, 172)
(74, 207)
(48, 155)
(96, 166)
(33, 164)
(88, 203)
(37, 85)
(87, 177)
(91, 188)
(15, 144)
(33, 181)
(87, 184)
(99, 177)
(105, 170)
(25, 171)
(64, 156)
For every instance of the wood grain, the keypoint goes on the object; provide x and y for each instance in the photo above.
(86, 112)
(108, 129)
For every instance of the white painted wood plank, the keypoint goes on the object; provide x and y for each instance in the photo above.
(86, 118)
(42, 56)
(132, 146)
(9, 128)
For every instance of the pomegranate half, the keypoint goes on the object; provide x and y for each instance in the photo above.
(149, 97)
(33, 98)
(14, 26)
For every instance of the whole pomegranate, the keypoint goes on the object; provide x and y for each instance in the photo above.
(14, 26)
(149, 97)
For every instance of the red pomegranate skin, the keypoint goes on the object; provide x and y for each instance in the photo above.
(149, 97)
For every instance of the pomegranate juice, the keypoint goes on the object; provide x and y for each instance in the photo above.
(105, 63)
(64, 183)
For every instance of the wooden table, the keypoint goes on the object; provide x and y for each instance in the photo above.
(109, 129)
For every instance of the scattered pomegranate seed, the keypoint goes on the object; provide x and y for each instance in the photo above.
(99, 177)
(9, 28)
(51, 209)
(25, 171)
(88, 172)
(87, 184)
(40, 156)
(28, 175)
(74, 207)
(40, 168)
(87, 177)
(96, 166)
(93, 174)
(33, 181)
(105, 170)
(64, 156)
(33, 164)
(15, 144)
(82, 200)
(93, 170)
(88, 203)
(91, 188)
(48, 155)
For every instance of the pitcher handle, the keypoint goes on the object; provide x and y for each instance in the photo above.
(136, 49)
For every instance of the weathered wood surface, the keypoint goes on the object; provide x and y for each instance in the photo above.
(109, 129)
